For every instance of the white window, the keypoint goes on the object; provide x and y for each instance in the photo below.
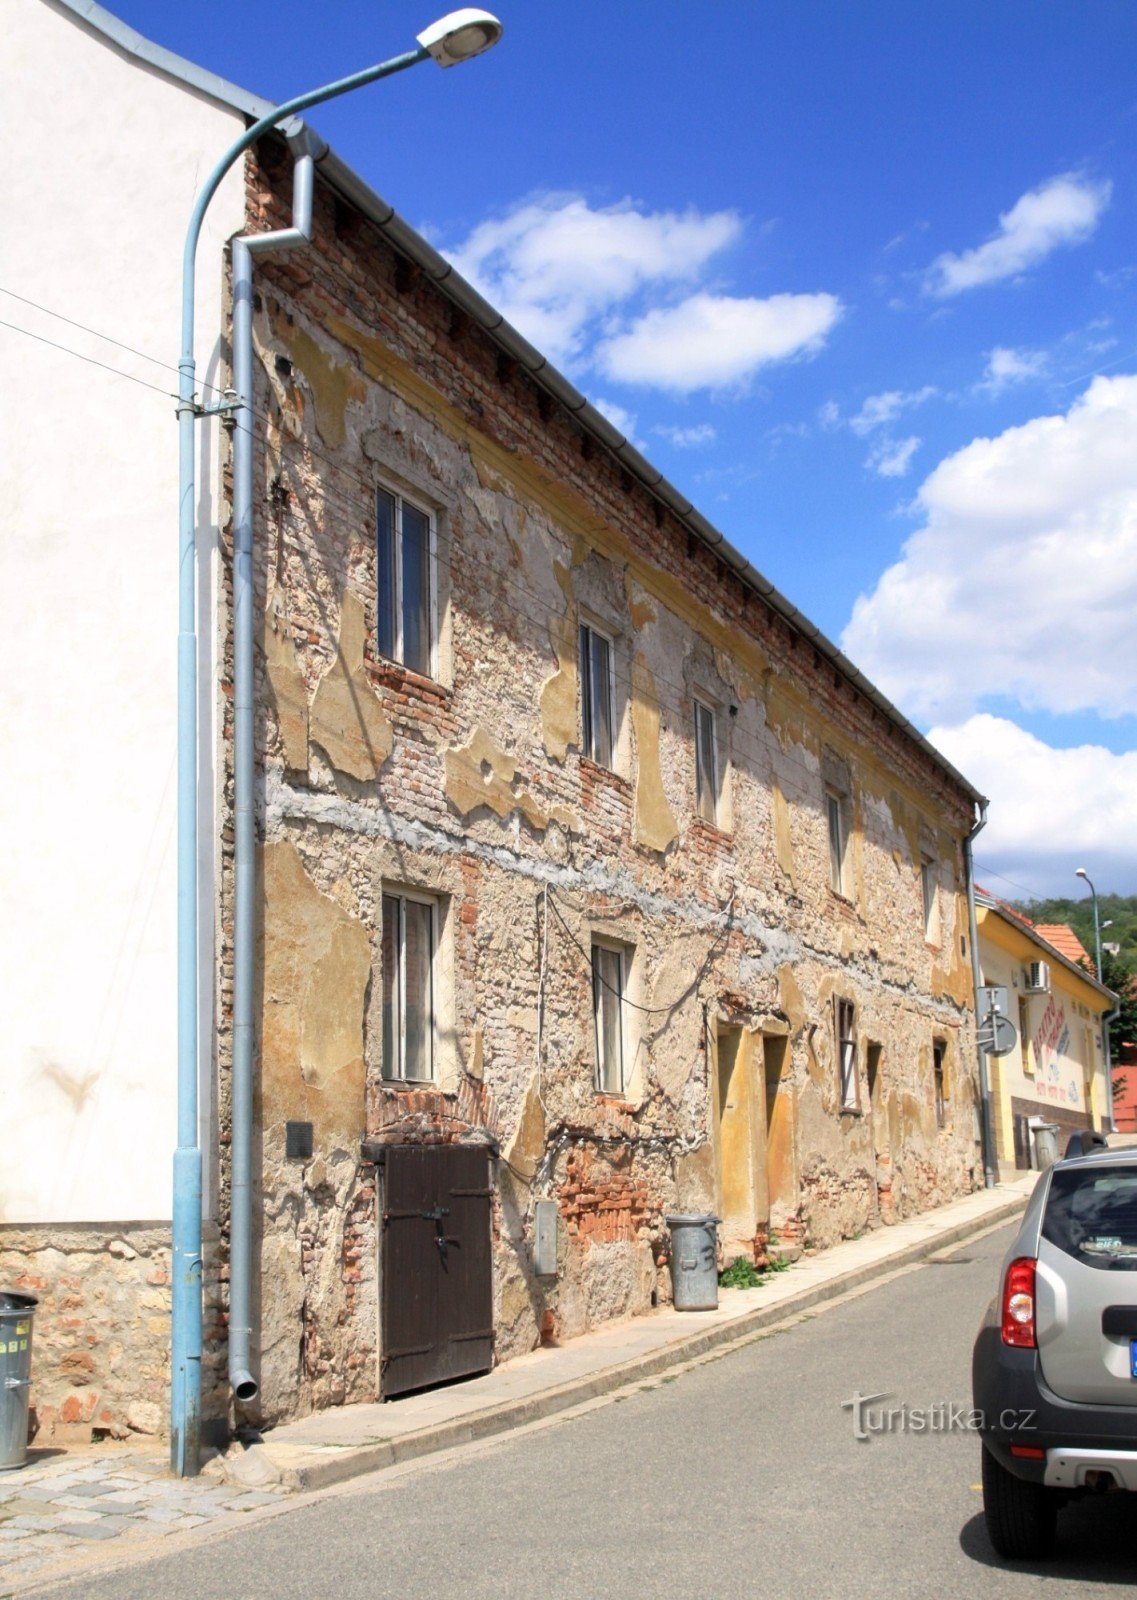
(404, 544)
(409, 938)
(848, 1083)
(597, 696)
(609, 975)
(706, 763)
(928, 888)
(835, 810)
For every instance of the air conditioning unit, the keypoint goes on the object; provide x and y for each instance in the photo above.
(1038, 977)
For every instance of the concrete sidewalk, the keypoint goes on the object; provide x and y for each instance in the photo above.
(68, 1510)
(331, 1446)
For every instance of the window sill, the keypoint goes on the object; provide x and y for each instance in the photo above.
(387, 674)
(845, 906)
(712, 830)
(598, 772)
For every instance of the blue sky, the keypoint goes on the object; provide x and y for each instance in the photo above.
(862, 281)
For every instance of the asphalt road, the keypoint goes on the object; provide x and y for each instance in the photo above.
(740, 1477)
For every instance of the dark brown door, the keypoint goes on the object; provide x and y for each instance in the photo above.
(436, 1271)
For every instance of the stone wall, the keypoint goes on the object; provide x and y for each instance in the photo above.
(470, 786)
(100, 1359)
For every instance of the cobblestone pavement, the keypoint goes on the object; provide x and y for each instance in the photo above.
(54, 1510)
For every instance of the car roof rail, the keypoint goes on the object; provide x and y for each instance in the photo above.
(1084, 1143)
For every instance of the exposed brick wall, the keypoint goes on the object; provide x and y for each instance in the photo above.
(368, 376)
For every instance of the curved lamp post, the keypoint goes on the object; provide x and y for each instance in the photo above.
(1080, 872)
(456, 37)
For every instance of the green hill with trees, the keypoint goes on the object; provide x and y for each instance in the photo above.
(1118, 909)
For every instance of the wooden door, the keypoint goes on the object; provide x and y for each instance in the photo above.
(436, 1266)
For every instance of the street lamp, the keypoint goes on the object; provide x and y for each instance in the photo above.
(459, 36)
(1080, 872)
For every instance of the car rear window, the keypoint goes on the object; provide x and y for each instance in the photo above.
(1091, 1214)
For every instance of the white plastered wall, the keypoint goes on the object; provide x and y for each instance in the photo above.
(103, 158)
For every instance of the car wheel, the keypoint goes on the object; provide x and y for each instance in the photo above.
(1020, 1516)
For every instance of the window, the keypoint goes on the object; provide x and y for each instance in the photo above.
(838, 839)
(928, 887)
(609, 972)
(596, 695)
(1091, 1214)
(847, 1056)
(939, 1050)
(409, 934)
(406, 600)
(706, 763)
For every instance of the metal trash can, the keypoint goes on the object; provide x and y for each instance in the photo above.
(1046, 1144)
(16, 1312)
(694, 1261)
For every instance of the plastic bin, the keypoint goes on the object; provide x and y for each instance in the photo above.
(1046, 1144)
(16, 1313)
(694, 1261)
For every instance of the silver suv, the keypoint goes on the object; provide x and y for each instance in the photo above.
(1054, 1371)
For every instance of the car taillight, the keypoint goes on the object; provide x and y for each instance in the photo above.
(1018, 1303)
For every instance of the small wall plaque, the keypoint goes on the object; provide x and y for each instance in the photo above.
(298, 1141)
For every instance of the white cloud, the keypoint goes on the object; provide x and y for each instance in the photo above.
(1023, 580)
(620, 418)
(1042, 821)
(694, 437)
(1006, 366)
(1062, 211)
(553, 264)
(890, 458)
(881, 409)
(712, 341)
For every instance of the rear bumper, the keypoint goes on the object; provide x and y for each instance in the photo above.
(1017, 1409)
(1070, 1469)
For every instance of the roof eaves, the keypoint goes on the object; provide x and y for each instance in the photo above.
(990, 902)
(134, 44)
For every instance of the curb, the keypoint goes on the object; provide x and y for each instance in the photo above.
(354, 1461)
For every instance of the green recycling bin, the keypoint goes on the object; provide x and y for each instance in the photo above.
(16, 1312)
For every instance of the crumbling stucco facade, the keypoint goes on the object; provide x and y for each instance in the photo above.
(465, 787)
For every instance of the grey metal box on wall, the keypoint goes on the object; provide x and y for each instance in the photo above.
(545, 1238)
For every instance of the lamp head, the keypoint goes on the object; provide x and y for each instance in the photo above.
(460, 35)
(1080, 872)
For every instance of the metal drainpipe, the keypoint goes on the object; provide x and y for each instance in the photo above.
(244, 1384)
(986, 1132)
(1110, 1017)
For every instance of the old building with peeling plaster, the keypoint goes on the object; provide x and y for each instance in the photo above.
(577, 846)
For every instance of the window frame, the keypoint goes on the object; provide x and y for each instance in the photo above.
(401, 897)
(601, 988)
(705, 709)
(939, 1081)
(848, 1070)
(930, 892)
(588, 630)
(398, 635)
(836, 810)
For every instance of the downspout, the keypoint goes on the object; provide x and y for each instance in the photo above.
(986, 1132)
(1106, 1022)
(241, 1379)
